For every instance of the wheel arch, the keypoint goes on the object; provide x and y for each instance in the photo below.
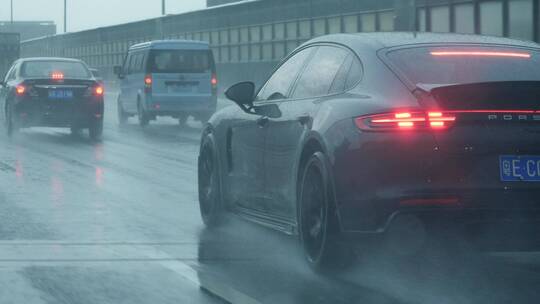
(314, 143)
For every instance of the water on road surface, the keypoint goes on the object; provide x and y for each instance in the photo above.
(118, 222)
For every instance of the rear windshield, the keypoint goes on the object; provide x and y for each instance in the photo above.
(44, 69)
(459, 65)
(180, 61)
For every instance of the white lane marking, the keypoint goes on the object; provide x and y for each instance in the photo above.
(19, 254)
(210, 283)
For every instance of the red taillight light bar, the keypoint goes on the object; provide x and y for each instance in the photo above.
(480, 54)
(406, 121)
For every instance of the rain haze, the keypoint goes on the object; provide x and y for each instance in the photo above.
(84, 14)
(270, 151)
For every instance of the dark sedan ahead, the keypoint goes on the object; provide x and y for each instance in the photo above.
(52, 92)
(384, 134)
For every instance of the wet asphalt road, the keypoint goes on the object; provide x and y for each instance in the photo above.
(118, 222)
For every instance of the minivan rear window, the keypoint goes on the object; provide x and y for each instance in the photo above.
(180, 61)
(466, 64)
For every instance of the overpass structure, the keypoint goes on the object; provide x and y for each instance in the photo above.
(248, 38)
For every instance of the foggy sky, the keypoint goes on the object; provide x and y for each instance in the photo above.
(86, 14)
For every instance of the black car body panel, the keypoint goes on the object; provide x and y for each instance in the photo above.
(377, 176)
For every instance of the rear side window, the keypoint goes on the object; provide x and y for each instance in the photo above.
(136, 63)
(44, 69)
(319, 75)
(460, 65)
(349, 74)
(181, 61)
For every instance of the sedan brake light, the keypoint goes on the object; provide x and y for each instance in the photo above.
(406, 121)
(57, 75)
(99, 90)
(20, 89)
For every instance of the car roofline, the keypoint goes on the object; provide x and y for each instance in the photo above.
(178, 42)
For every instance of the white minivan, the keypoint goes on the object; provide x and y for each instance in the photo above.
(174, 78)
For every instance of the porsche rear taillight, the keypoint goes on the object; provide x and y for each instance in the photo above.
(401, 121)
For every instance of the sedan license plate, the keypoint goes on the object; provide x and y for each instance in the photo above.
(60, 94)
(516, 168)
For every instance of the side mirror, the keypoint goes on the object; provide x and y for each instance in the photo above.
(118, 71)
(242, 94)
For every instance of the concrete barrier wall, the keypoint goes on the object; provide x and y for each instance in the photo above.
(231, 73)
(247, 39)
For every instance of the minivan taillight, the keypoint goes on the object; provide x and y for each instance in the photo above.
(148, 84)
(399, 121)
(148, 80)
(214, 81)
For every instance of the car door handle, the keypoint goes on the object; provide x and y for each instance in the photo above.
(304, 119)
(262, 121)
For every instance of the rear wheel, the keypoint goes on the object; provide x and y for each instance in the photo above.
(122, 115)
(204, 117)
(318, 224)
(96, 130)
(144, 119)
(182, 119)
(209, 187)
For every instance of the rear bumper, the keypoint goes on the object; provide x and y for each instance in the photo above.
(379, 176)
(40, 113)
(490, 229)
(167, 105)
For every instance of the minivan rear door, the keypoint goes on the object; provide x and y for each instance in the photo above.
(181, 72)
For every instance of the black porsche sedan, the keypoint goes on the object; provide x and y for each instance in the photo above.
(52, 92)
(378, 134)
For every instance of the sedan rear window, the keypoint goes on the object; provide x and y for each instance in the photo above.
(44, 69)
(181, 61)
(459, 65)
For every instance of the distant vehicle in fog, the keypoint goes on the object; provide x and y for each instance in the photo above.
(167, 78)
(9, 51)
(52, 92)
(382, 134)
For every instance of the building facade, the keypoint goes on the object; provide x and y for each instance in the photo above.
(29, 29)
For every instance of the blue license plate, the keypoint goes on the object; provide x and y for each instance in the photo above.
(524, 168)
(60, 94)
